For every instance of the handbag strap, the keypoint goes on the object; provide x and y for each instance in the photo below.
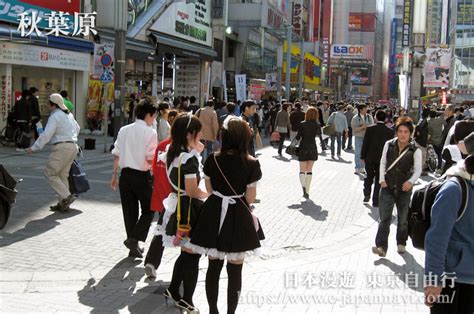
(397, 160)
(230, 185)
(178, 213)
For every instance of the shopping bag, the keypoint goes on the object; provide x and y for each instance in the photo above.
(78, 183)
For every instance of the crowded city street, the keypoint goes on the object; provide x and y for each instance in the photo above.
(237, 156)
(76, 262)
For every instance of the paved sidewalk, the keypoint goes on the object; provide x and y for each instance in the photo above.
(317, 253)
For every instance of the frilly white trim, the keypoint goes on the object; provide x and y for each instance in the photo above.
(169, 204)
(230, 256)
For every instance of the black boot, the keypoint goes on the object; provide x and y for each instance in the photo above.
(212, 284)
(234, 272)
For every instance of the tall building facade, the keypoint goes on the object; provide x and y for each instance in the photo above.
(357, 52)
(461, 39)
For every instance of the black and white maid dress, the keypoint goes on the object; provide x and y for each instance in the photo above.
(225, 227)
(190, 208)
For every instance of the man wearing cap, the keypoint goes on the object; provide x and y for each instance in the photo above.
(61, 131)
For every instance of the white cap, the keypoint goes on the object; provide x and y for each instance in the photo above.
(58, 100)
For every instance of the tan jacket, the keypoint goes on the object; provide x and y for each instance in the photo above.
(210, 125)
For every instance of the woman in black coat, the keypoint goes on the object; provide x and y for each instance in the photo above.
(308, 151)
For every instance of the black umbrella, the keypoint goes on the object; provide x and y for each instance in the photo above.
(7, 195)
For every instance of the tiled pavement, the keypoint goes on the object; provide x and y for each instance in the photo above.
(317, 253)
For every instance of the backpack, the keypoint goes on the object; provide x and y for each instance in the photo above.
(419, 212)
(161, 185)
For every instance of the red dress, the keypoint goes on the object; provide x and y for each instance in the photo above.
(161, 184)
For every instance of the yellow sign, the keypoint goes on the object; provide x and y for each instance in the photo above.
(312, 66)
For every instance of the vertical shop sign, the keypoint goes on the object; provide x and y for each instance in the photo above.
(5, 91)
(297, 18)
(406, 23)
(241, 87)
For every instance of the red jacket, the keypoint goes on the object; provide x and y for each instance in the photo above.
(161, 184)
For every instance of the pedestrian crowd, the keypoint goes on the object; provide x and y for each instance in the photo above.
(162, 156)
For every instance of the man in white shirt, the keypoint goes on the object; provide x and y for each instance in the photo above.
(134, 150)
(400, 168)
(61, 131)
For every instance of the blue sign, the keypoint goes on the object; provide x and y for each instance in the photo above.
(392, 80)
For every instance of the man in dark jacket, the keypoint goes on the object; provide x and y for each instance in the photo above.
(296, 117)
(400, 168)
(321, 123)
(34, 109)
(372, 147)
(22, 111)
(449, 119)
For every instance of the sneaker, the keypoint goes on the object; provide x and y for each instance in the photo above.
(401, 249)
(379, 251)
(150, 271)
(65, 203)
(362, 171)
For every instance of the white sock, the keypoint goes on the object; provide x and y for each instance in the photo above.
(303, 179)
(309, 177)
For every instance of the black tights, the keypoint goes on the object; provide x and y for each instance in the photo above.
(186, 270)
(234, 272)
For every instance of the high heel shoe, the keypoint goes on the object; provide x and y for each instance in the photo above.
(185, 306)
(167, 295)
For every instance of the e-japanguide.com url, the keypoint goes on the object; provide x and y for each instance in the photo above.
(285, 298)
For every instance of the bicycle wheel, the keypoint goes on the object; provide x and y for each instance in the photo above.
(16, 136)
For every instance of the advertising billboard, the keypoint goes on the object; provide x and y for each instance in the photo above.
(360, 76)
(361, 22)
(437, 66)
(352, 51)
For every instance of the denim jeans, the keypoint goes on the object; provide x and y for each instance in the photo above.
(358, 141)
(208, 149)
(336, 137)
(387, 199)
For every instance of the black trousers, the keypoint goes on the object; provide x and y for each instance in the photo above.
(155, 253)
(280, 143)
(459, 300)
(348, 139)
(135, 189)
(373, 174)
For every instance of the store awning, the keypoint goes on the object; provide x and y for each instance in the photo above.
(67, 43)
(186, 49)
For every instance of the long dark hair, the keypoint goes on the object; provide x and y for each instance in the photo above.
(236, 138)
(182, 125)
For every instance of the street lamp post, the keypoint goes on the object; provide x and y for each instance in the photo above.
(289, 43)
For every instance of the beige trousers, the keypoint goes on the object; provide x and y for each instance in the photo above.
(57, 169)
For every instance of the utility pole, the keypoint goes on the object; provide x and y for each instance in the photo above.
(120, 60)
(289, 43)
(301, 73)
